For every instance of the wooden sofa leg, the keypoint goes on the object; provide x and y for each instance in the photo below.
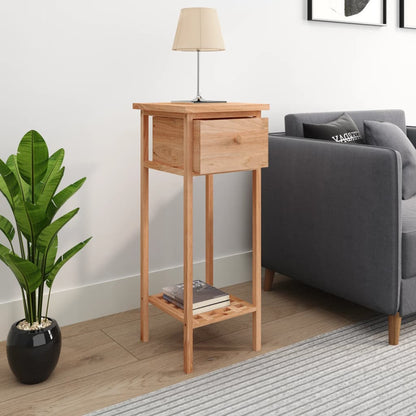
(268, 279)
(395, 322)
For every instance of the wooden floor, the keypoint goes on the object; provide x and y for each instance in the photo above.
(103, 362)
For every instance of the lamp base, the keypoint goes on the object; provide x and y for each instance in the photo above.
(198, 99)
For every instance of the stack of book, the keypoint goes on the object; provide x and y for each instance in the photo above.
(205, 297)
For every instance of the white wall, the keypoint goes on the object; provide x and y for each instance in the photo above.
(71, 70)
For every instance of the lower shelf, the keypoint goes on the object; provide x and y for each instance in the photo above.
(236, 308)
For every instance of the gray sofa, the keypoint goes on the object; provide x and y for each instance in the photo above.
(333, 216)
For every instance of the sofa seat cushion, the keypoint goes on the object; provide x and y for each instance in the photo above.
(409, 238)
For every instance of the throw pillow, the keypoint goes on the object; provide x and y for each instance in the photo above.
(389, 135)
(341, 130)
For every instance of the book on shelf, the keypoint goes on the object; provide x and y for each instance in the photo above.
(196, 311)
(203, 294)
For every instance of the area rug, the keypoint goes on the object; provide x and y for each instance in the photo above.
(350, 371)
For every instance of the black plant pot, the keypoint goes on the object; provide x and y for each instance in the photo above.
(33, 355)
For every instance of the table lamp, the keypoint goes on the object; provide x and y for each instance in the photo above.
(198, 30)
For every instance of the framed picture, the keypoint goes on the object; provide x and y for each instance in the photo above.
(408, 14)
(362, 12)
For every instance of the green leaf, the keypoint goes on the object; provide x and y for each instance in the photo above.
(27, 274)
(45, 190)
(60, 198)
(37, 217)
(49, 189)
(10, 182)
(49, 233)
(7, 228)
(3, 251)
(32, 158)
(48, 263)
(5, 191)
(22, 218)
(30, 219)
(24, 188)
(63, 259)
(55, 162)
(51, 255)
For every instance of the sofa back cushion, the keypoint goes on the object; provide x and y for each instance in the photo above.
(294, 122)
(389, 135)
(341, 130)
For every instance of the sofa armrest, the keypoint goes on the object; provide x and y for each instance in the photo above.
(411, 134)
(331, 218)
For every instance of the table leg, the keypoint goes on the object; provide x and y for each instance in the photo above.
(144, 231)
(209, 229)
(257, 259)
(188, 246)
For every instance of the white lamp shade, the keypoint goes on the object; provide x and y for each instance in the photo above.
(198, 30)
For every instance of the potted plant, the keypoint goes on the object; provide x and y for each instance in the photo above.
(29, 181)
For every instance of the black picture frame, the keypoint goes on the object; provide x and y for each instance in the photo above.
(402, 16)
(383, 22)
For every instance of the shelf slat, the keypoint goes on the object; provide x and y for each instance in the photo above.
(167, 307)
(237, 307)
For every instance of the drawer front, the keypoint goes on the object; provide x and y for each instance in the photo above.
(230, 145)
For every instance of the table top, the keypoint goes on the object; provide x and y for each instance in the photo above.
(195, 108)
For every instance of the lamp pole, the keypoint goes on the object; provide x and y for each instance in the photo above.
(197, 78)
(198, 97)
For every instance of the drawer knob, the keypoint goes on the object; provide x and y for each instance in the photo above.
(238, 139)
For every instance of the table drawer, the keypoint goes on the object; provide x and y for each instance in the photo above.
(220, 145)
(230, 145)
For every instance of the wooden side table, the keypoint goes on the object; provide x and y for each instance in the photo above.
(202, 139)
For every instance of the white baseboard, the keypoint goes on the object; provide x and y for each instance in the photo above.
(113, 296)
